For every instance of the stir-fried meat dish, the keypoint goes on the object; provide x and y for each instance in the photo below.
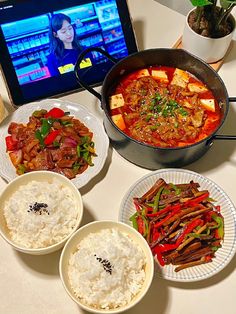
(51, 140)
(180, 223)
(164, 107)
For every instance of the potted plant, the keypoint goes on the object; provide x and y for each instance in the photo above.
(209, 29)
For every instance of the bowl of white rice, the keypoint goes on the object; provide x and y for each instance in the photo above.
(39, 211)
(106, 267)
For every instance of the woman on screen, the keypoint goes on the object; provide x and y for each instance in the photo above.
(64, 45)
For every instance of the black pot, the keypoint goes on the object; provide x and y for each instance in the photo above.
(145, 155)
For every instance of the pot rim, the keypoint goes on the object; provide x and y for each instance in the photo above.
(231, 17)
(206, 139)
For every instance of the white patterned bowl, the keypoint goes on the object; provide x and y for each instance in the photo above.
(21, 115)
(223, 255)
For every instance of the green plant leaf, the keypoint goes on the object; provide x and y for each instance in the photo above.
(226, 4)
(200, 3)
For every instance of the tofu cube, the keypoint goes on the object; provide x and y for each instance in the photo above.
(116, 101)
(197, 87)
(183, 74)
(160, 75)
(119, 121)
(209, 104)
(142, 73)
(180, 78)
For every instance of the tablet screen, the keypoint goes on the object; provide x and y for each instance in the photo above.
(40, 43)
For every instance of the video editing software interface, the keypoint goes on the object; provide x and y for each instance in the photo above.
(96, 24)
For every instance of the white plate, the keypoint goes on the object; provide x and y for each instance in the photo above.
(8, 171)
(223, 255)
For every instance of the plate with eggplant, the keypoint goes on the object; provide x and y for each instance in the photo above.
(186, 218)
(53, 135)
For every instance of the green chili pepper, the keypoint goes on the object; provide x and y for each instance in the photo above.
(177, 190)
(56, 144)
(152, 205)
(86, 155)
(220, 227)
(214, 227)
(134, 221)
(209, 199)
(166, 191)
(146, 225)
(21, 169)
(85, 146)
(76, 167)
(78, 150)
(86, 149)
(39, 137)
(156, 200)
(199, 235)
(66, 123)
(85, 139)
(45, 128)
(39, 113)
(87, 158)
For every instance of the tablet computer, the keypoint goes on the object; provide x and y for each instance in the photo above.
(40, 42)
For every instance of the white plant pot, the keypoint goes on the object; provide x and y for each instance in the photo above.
(208, 49)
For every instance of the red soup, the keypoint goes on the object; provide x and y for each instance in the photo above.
(164, 107)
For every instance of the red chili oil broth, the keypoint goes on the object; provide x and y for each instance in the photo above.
(211, 122)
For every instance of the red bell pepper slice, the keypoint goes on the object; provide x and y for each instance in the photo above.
(175, 211)
(54, 113)
(198, 199)
(157, 252)
(155, 234)
(192, 225)
(208, 216)
(160, 212)
(141, 226)
(50, 138)
(165, 210)
(208, 258)
(168, 247)
(11, 143)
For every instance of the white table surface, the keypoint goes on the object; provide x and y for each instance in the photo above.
(31, 284)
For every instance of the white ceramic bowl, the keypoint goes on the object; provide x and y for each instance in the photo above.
(39, 176)
(94, 227)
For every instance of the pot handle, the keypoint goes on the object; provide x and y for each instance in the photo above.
(225, 137)
(80, 59)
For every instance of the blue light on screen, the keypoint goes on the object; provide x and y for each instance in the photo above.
(97, 24)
